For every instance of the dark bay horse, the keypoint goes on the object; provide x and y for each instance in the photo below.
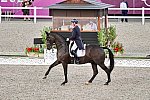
(94, 55)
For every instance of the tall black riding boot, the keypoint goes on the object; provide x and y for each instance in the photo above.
(76, 59)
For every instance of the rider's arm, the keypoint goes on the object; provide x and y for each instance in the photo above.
(73, 35)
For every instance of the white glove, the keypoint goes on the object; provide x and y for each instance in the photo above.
(67, 39)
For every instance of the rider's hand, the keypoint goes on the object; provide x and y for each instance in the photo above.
(67, 39)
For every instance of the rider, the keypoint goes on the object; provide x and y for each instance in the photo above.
(76, 36)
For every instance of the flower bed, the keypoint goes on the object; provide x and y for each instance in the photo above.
(117, 48)
(34, 51)
(38, 49)
(106, 38)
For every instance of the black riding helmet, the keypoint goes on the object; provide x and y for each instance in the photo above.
(74, 21)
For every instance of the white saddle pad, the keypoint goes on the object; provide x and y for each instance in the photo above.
(80, 53)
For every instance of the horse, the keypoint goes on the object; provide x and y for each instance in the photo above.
(94, 55)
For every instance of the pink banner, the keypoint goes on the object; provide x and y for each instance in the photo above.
(46, 3)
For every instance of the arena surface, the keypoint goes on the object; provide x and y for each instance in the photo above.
(25, 83)
(21, 80)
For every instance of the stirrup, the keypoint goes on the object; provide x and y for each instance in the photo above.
(76, 61)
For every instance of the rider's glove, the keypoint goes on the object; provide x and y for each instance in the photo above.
(67, 39)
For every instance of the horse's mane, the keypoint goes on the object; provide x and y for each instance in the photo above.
(63, 38)
(59, 35)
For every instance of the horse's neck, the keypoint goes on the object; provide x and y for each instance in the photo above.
(60, 43)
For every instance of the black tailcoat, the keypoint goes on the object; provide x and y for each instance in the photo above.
(76, 36)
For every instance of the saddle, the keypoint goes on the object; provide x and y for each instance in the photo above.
(73, 46)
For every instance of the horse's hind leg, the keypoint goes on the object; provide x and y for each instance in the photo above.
(95, 72)
(107, 71)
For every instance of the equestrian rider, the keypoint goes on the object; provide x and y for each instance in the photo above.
(76, 36)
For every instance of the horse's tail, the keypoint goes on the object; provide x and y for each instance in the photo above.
(111, 57)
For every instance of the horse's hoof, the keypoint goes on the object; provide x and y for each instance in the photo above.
(62, 84)
(106, 83)
(87, 83)
(44, 77)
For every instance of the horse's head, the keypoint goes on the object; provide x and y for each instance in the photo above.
(49, 40)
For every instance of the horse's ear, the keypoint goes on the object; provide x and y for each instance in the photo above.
(47, 34)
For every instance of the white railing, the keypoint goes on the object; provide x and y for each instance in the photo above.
(142, 17)
(34, 16)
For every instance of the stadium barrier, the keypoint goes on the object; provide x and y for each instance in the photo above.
(8, 15)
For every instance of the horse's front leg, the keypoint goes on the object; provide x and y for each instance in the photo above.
(65, 67)
(51, 66)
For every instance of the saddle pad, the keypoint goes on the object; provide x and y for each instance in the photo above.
(80, 53)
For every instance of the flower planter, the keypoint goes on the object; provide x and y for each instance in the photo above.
(35, 54)
(116, 54)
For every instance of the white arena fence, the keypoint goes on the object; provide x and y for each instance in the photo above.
(35, 16)
(8, 14)
(142, 17)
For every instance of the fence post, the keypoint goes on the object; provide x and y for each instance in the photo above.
(0, 14)
(143, 17)
(34, 14)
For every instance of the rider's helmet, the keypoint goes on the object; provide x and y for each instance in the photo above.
(74, 21)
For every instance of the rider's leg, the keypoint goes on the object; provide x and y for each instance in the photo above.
(74, 52)
(77, 59)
